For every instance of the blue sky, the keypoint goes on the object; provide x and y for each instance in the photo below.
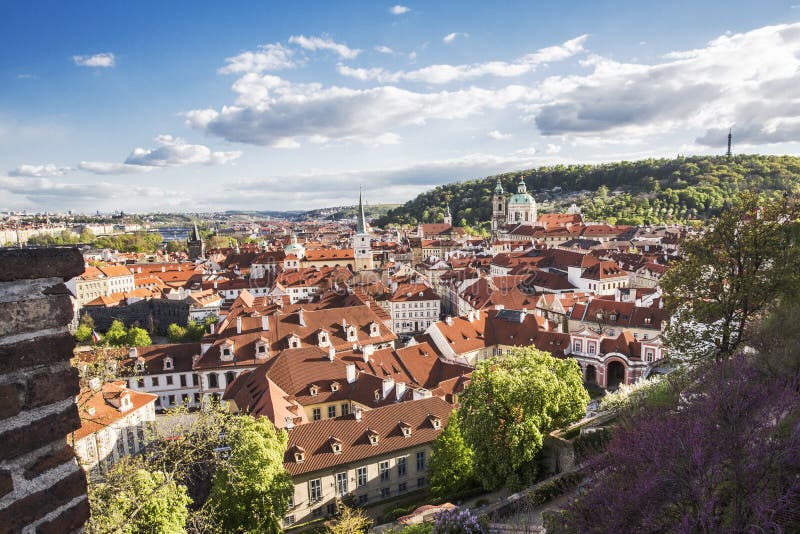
(199, 106)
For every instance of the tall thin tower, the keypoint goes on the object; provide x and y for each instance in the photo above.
(730, 137)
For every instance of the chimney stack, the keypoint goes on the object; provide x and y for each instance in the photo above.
(238, 325)
(265, 323)
(351, 373)
(211, 328)
(357, 412)
(400, 390)
(331, 353)
(388, 386)
(133, 353)
(300, 317)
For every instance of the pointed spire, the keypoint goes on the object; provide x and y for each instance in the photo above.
(361, 227)
(195, 233)
(498, 189)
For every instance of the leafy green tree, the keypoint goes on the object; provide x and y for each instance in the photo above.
(138, 337)
(251, 489)
(730, 274)
(451, 466)
(83, 333)
(511, 404)
(350, 521)
(87, 320)
(132, 499)
(176, 333)
(176, 246)
(116, 335)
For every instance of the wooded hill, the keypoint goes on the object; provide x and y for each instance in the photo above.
(651, 191)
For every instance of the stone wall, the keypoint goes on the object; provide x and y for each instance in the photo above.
(42, 488)
(154, 315)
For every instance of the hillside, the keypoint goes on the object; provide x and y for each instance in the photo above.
(649, 191)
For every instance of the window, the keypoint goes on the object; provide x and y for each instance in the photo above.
(361, 476)
(195, 380)
(169, 380)
(120, 446)
(383, 468)
(401, 466)
(288, 520)
(591, 347)
(577, 347)
(140, 382)
(420, 482)
(131, 441)
(402, 487)
(331, 508)
(315, 490)
(420, 460)
(183, 381)
(230, 376)
(385, 492)
(317, 512)
(331, 411)
(341, 484)
(197, 398)
(649, 355)
(316, 414)
(345, 409)
(171, 399)
(213, 381)
(291, 501)
(362, 499)
(185, 398)
(155, 381)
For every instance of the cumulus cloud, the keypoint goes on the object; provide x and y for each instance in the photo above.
(169, 152)
(383, 49)
(450, 37)
(499, 136)
(39, 171)
(268, 57)
(324, 43)
(399, 10)
(700, 89)
(270, 110)
(442, 74)
(103, 60)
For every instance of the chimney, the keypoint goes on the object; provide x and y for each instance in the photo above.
(238, 325)
(163, 268)
(139, 270)
(471, 316)
(400, 390)
(448, 320)
(388, 386)
(215, 284)
(211, 328)
(357, 412)
(367, 351)
(300, 317)
(331, 353)
(133, 353)
(95, 384)
(351, 373)
(478, 315)
(560, 328)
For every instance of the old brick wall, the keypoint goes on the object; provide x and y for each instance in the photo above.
(42, 488)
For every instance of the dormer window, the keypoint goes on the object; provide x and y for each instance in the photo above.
(405, 428)
(314, 389)
(140, 367)
(226, 353)
(351, 333)
(373, 330)
(299, 455)
(322, 338)
(599, 316)
(377, 394)
(436, 422)
(373, 437)
(262, 349)
(336, 445)
(648, 320)
(125, 403)
(335, 386)
(294, 342)
(168, 363)
(613, 316)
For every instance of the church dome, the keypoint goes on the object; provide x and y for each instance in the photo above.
(295, 248)
(521, 198)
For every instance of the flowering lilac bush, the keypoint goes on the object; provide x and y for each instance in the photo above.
(725, 458)
(456, 521)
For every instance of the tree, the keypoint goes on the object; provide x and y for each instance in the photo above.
(451, 469)
(176, 333)
(138, 337)
(350, 521)
(251, 489)
(132, 499)
(176, 246)
(87, 320)
(731, 273)
(83, 333)
(511, 404)
(116, 335)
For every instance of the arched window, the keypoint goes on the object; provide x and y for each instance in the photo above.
(213, 381)
(229, 377)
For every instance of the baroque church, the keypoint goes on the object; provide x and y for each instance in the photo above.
(520, 210)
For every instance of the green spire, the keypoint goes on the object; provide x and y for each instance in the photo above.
(361, 227)
(498, 189)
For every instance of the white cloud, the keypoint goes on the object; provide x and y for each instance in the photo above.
(324, 43)
(383, 49)
(108, 168)
(39, 171)
(499, 136)
(268, 57)
(399, 10)
(553, 149)
(450, 37)
(689, 90)
(169, 152)
(104, 60)
(25, 76)
(270, 110)
(388, 138)
(441, 74)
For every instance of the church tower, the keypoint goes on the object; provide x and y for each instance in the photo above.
(362, 246)
(448, 217)
(197, 248)
(498, 207)
(522, 206)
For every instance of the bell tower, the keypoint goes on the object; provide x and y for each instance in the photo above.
(362, 241)
(498, 207)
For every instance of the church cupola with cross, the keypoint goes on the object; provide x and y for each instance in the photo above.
(498, 207)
